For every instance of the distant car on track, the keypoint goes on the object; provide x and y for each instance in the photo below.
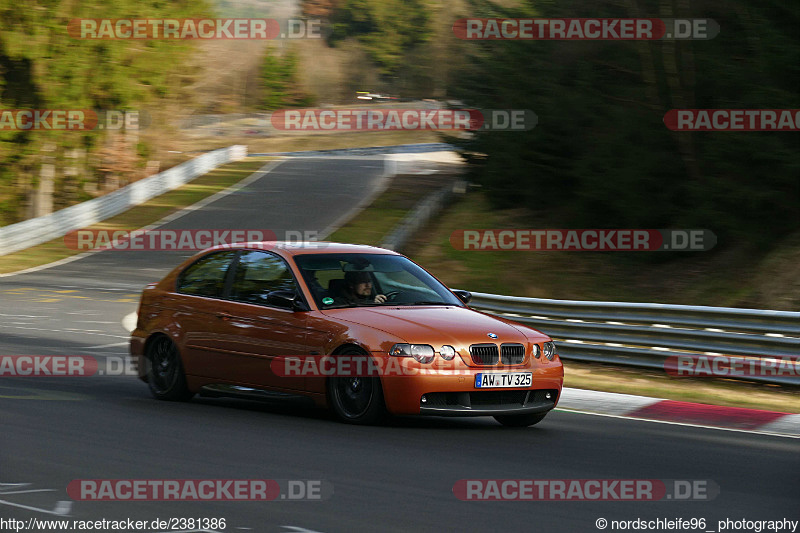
(274, 320)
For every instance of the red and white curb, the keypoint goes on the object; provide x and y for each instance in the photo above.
(695, 414)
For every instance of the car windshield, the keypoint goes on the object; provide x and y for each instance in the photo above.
(354, 280)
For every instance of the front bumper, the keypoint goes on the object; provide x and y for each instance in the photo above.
(488, 403)
(454, 394)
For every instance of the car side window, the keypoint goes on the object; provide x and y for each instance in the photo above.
(258, 274)
(206, 277)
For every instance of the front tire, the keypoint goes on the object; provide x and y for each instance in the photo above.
(165, 374)
(357, 399)
(520, 421)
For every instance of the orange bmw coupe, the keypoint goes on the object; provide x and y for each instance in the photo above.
(361, 330)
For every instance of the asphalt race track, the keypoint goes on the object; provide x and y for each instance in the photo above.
(397, 477)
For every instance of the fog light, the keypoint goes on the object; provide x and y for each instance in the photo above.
(424, 399)
(447, 352)
(547, 395)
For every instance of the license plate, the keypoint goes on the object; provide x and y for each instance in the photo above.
(494, 380)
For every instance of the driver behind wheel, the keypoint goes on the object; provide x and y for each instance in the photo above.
(358, 290)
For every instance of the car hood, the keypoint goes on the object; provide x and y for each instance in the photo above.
(436, 324)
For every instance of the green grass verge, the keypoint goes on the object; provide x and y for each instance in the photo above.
(731, 393)
(372, 224)
(142, 215)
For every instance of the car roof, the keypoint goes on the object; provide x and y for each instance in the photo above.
(298, 248)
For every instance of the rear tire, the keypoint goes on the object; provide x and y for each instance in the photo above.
(165, 374)
(356, 400)
(520, 421)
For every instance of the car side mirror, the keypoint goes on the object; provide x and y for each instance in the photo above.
(464, 296)
(286, 300)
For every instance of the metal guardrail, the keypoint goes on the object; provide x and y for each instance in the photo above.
(645, 335)
(42, 229)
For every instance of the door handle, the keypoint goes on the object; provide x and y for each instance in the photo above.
(224, 316)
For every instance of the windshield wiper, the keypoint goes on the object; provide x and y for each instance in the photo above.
(422, 302)
(350, 306)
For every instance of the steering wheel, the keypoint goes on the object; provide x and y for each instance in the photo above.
(391, 296)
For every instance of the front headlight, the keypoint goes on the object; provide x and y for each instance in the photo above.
(447, 352)
(423, 353)
(536, 351)
(549, 350)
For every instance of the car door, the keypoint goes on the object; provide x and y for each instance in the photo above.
(255, 331)
(195, 310)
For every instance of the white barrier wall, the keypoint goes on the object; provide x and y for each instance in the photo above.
(35, 231)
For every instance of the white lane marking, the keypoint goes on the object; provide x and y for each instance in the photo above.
(49, 265)
(610, 402)
(27, 491)
(64, 331)
(94, 288)
(112, 345)
(62, 508)
(301, 529)
(129, 321)
(381, 184)
(202, 203)
(789, 424)
(623, 417)
(255, 176)
(377, 157)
